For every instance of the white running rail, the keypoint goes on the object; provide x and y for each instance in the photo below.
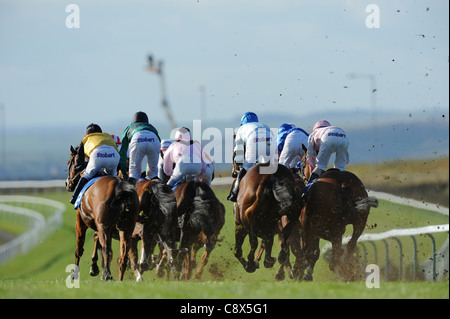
(38, 226)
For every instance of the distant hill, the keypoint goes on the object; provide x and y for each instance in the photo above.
(42, 153)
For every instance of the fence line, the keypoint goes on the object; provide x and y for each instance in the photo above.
(38, 227)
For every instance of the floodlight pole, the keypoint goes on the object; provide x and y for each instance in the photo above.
(159, 71)
(373, 103)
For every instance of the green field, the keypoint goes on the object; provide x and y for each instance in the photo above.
(41, 273)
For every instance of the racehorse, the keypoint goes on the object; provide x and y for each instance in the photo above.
(262, 201)
(201, 217)
(336, 199)
(110, 208)
(157, 223)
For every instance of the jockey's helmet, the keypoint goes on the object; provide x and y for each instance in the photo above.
(139, 117)
(165, 145)
(249, 117)
(93, 128)
(183, 134)
(321, 123)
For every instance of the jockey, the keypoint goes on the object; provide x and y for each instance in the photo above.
(254, 143)
(102, 152)
(164, 146)
(183, 158)
(290, 140)
(323, 141)
(143, 141)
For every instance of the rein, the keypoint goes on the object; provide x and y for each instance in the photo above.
(78, 174)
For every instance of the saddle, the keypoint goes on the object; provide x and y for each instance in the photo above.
(185, 179)
(83, 190)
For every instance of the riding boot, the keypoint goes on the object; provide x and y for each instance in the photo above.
(235, 189)
(78, 189)
(313, 177)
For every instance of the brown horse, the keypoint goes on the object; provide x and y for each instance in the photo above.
(294, 240)
(157, 223)
(201, 217)
(110, 208)
(262, 201)
(335, 200)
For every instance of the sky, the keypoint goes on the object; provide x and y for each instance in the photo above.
(226, 57)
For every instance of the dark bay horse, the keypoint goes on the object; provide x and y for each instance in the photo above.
(335, 200)
(157, 223)
(110, 208)
(262, 201)
(201, 217)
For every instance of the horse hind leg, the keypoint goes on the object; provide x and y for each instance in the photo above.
(209, 246)
(312, 255)
(252, 264)
(269, 261)
(94, 271)
(124, 248)
(133, 257)
(240, 233)
(105, 242)
(350, 261)
(260, 251)
(80, 230)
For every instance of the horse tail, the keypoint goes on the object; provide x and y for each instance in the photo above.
(207, 210)
(287, 194)
(125, 200)
(166, 203)
(364, 204)
(186, 201)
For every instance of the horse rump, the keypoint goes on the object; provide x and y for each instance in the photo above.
(208, 213)
(165, 202)
(126, 201)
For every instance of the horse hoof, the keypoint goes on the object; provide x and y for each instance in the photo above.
(144, 267)
(269, 262)
(293, 274)
(198, 276)
(107, 278)
(307, 277)
(280, 276)
(94, 271)
(251, 266)
(159, 272)
(283, 258)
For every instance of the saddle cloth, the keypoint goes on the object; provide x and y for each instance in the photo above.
(307, 187)
(83, 190)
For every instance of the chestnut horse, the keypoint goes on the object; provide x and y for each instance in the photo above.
(262, 201)
(201, 217)
(335, 200)
(110, 208)
(157, 223)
